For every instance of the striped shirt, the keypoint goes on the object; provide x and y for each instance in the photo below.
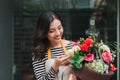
(39, 66)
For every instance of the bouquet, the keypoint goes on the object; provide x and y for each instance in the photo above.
(94, 53)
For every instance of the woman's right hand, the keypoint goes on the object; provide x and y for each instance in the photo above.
(72, 77)
(61, 61)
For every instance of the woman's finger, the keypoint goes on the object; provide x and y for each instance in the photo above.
(65, 63)
(65, 58)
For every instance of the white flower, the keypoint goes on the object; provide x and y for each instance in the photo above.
(76, 49)
(105, 48)
(69, 52)
(97, 66)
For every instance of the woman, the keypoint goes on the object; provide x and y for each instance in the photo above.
(49, 49)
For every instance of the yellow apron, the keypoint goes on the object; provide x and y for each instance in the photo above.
(64, 71)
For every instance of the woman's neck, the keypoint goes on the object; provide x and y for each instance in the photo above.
(55, 45)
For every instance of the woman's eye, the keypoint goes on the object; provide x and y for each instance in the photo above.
(59, 27)
(51, 31)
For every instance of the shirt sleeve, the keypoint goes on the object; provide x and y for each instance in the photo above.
(40, 72)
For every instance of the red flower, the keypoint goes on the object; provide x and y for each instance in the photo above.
(75, 43)
(107, 57)
(88, 41)
(113, 68)
(89, 57)
(84, 47)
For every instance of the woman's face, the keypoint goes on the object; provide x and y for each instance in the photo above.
(55, 31)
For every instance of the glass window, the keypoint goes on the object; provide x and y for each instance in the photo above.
(75, 16)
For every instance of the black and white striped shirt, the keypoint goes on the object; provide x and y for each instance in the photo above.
(39, 66)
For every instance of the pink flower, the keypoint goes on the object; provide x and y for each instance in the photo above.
(89, 57)
(107, 57)
(88, 41)
(75, 43)
(84, 47)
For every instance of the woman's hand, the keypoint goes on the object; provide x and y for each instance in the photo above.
(72, 77)
(61, 61)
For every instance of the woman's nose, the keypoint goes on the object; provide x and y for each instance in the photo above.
(57, 32)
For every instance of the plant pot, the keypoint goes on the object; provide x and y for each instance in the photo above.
(87, 73)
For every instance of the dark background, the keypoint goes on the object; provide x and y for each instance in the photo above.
(6, 40)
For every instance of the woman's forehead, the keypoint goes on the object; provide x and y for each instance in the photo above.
(55, 23)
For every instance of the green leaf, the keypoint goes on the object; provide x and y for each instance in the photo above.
(71, 61)
(77, 60)
(76, 57)
(78, 65)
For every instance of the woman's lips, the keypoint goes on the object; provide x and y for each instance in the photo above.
(57, 38)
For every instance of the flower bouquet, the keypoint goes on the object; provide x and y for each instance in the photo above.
(93, 59)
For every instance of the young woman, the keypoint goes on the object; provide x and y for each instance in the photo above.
(49, 49)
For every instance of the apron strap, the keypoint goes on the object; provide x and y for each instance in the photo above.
(63, 46)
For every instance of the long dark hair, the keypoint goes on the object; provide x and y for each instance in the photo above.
(40, 40)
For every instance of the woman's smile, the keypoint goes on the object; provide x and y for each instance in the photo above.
(55, 32)
(57, 37)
